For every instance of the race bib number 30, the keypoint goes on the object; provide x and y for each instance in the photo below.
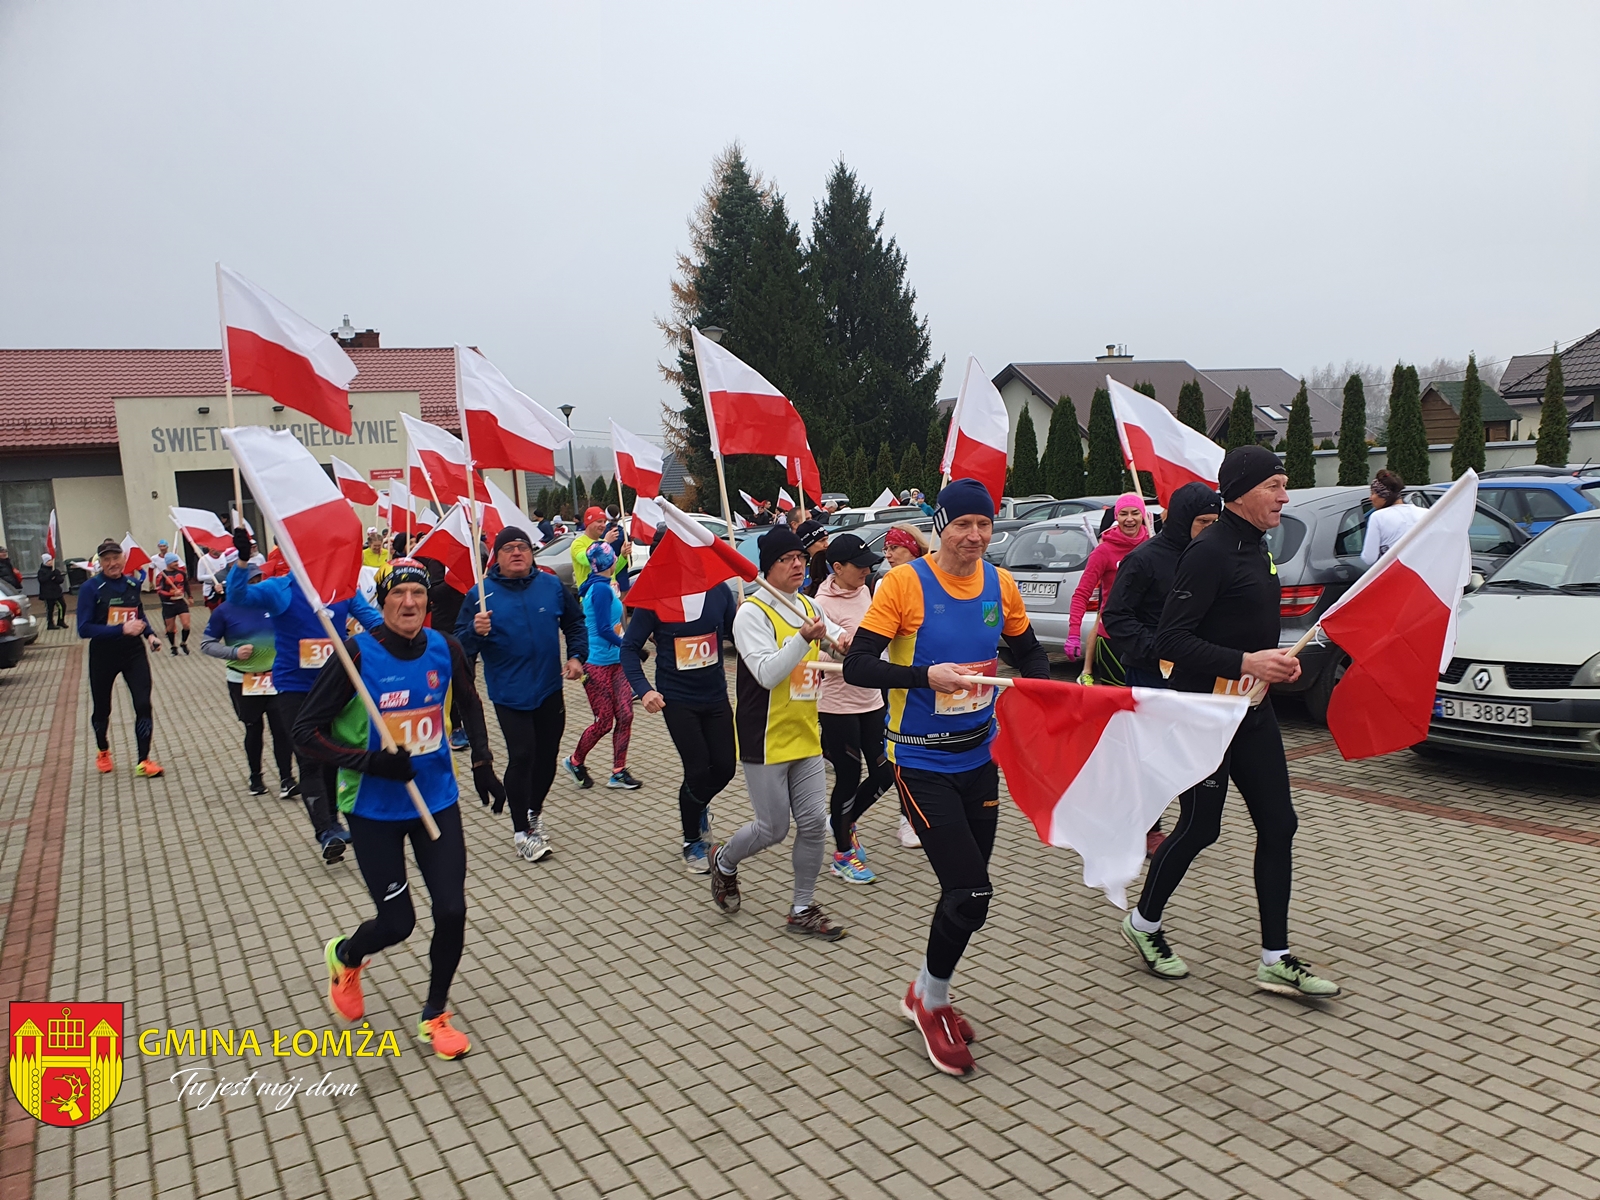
(696, 652)
(419, 730)
(314, 652)
(805, 682)
(968, 699)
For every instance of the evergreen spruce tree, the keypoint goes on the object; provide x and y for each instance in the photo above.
(1025, 456)
(885, 473)
(933, 443)
(1061, 468)
(1145, 388)
(1468, 448)
(580, 496)
(861, 478)
(1327, 444)
(836, 470)
(1298, 461)
(911, 472)
(1241, 420)
(1104, 473)
(1555, 438)
(1192, 405)
(1408, 436)
(1353, 434)
(542, 501)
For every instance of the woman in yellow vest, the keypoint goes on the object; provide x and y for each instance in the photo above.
(780, 747)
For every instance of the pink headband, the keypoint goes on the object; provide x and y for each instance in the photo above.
(1128, 500)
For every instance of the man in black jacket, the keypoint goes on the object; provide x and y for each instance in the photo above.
(50, 581)
(1220, 629)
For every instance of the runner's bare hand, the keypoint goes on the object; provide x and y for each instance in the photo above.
(653, 701)
(1271, 666)
(243, 651)
(573, 669)
(480, 624)
(813, 630)
(133, 627)
(946, 677)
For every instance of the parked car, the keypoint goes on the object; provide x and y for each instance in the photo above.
(1536, 502)
(1525, 679)
(19, 629)
(1047, 560)
(1587, 469)
(1046, 510)
(849, 518)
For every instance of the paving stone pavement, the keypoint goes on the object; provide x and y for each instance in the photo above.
(632, 1042)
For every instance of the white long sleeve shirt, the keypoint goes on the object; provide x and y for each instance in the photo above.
(1384, 528)
(768, 661)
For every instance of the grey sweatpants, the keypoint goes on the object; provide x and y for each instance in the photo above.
(777, 790)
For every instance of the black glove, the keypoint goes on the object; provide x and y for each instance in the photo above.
(386, 764)
(241, 543)
(488, 784)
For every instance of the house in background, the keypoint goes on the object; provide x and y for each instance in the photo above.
(1522, 386)
(1441, 413)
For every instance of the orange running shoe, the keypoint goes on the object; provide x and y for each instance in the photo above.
(344, 985)
(102, 762)
(148, 769)
(448, 1041)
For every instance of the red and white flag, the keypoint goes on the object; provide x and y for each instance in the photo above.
(785, 501)
(740, 523)
(500, 510)
(202, 528)
(451, 545)
(133, 556)
(643, 520)
(1093, 767)
(886, 499)
(1398, 625)
(1156, 441)
(639, 464)
(979, 430)
(269, 348)
(687, 561)
(801, 470)
(437, 456)
(317, 530)
(746, 414)
(351, 482)
(750, 500)
(52, 537)
(423, 521)
(505, 428)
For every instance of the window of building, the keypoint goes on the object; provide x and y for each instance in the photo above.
(25, 513)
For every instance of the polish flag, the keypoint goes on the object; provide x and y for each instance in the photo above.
(1156, 441)
(317, 530)
(269, 348)
(436, 455)
(785, 501)
(802, 472)
(639, 464)
(1093, 767)
(1398, 625)
(238, 522)
(133, 557)
(642, 522)
(52, 537)
(351, 483)
(451, 545)
(745, 413)
(750, 500)
(500, 510)
(202, 528)
(423, 521)
(740, 523)
(976, 447)
(688, 561)
(886, 499)
(504, 427)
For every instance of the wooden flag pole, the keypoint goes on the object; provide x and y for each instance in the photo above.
(727, 512)
(227, 384)
(472, 500)
(994, 681)
(1259, 689)
(826, 642)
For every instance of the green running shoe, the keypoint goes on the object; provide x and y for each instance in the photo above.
(1291, 977)
(1153, 951)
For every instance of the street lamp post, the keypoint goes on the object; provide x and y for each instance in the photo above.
(572, 470)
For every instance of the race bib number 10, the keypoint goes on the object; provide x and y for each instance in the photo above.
(696, 651)
(314, 652)
(1238, 687)
(419, 730)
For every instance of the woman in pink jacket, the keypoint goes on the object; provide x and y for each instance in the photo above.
(1100, 572)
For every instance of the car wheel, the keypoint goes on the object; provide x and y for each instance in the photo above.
(1320, 692)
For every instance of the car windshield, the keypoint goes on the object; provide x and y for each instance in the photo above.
(1563, 557)
(561, 545)
(1049, 548)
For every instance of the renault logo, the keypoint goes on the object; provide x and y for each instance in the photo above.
(1481, 678)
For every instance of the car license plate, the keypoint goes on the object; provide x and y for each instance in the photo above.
(1483, 712)
(1034, 589)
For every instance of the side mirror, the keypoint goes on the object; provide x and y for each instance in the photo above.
(1475, 582)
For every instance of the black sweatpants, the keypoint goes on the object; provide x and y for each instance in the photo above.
(55, 613)
(255, 713)
(319, 782)
(851, 742)
(703, 734)
(133, 664)
(533, 743)
(956, 816)
(1256, 764)
(380, 848)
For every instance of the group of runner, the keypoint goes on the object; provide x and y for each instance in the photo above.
(1199, 604)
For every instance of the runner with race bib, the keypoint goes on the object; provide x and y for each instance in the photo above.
(111, 616)
(242, 638)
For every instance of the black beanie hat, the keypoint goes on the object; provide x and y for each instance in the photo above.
(510, 534)
(402, 570)
(1246, 467)
(775, 543)
(962, 498)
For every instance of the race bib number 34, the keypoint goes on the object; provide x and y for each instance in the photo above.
(419, 730)
(696, 651)
(968, 699)
(314, 652)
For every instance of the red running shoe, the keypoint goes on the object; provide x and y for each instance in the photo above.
(946, 1049)
(963, 1026)
(1152, 842)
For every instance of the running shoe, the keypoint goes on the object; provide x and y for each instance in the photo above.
(448, 1041)
(344, 984)
(186, 649)
(257, 786)
(809, 922)
(1291, 977)
(333, 843)
(621, 779)
(705, 824)
(855, 844)
(908, 835)
(287, 789)
(963, 1026)
(851, 869)
(947, 1050)
(580, 774)
(102, 762)
(1152, 842)
(1153, 951)
(148, 768)
(174, 652)
(531, 845)
(536, 827)
(695, 858)
(724, 888)
(458, 740)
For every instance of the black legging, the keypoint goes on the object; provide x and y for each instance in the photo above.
(1256, 765)
(850, 741)
(955, 815)
(380, 848)
(319, 782)
(533, 743)
(255, 713)
(131, 662)
(55, 613)
(703, 734)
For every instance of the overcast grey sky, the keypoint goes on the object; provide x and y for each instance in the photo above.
(1235, 184)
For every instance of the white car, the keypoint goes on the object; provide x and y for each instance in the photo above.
(1525, 679)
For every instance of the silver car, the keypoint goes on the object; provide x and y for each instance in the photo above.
(1047, 560)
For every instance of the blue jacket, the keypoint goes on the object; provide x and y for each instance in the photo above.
(293, 621)
(96, 598)
(522, 654)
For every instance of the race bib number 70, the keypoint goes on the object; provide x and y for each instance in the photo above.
(696, 651)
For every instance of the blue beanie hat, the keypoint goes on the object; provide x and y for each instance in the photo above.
(962, 498)
(601, 556)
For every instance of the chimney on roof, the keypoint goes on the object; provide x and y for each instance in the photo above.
(348, 336)
(1114, 353)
